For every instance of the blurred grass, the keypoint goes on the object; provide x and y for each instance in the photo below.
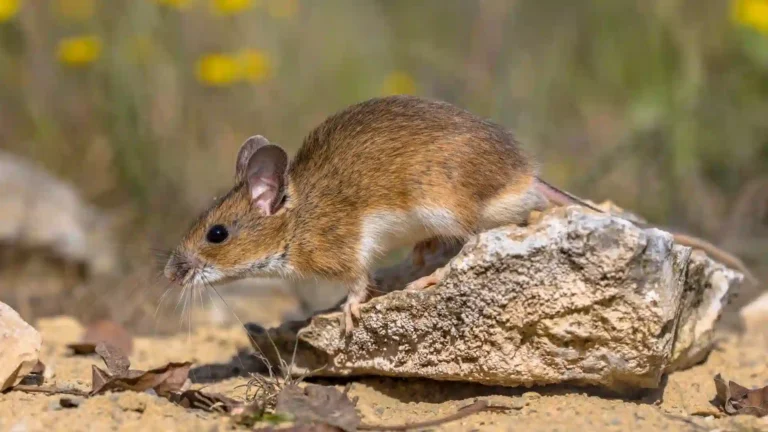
(659, 105)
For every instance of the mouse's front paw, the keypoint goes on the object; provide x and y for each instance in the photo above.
(351, 312)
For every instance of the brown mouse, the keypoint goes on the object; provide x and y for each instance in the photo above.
(385, 173)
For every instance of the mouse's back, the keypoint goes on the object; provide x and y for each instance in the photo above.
(399, 151)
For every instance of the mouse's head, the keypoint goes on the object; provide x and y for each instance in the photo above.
(244, 233)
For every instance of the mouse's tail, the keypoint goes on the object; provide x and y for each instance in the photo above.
(716, 253)
(562, 198)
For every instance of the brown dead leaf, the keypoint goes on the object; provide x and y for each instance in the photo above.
(82, 348)
(39, 368)
(106, 331)
(98, 378)
(213, 402)
(737, 399)
(318, 405)
(111, 333)
(115, 359)
(163, 380)
(35, 376)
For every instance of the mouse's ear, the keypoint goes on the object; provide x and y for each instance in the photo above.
(266, 178)
(247, 149)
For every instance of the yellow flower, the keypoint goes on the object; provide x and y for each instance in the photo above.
(9, 9)
(178, 4)
(77, 10)
(398, 83)
(751, 13)
(282, 8)
(231, 7)
(255, 66)
(79, 50)
(223, 69)
(218, 70)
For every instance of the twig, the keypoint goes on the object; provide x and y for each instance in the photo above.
(685, 420)
(48, 390)
(478, 406)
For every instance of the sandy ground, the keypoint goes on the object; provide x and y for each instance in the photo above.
(682, 404)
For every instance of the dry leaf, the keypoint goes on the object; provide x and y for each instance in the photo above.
(318, 405)
(115, 359)
(111, 333)
(98, 378)
(82, 348)
(39, 368)
(737, 399)
(106, 331)
(197, 399)
(164, 380)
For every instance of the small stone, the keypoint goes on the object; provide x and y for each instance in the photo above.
(755, 314)
(70, 401)
(19, 347)
(531, 395)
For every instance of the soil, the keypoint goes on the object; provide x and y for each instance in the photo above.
(682, 404)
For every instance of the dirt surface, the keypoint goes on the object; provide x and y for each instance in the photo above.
(683, 404)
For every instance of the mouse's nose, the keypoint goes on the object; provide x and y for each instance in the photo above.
(179, 267)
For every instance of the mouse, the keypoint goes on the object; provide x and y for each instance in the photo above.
(382, 174)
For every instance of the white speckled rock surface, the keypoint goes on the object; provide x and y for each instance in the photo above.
(578, 297)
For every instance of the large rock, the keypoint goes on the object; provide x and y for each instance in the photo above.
(38, 210)
(575, 297)
(19, 347)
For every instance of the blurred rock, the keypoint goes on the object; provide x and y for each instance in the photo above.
(19, 347)
(38, 210)
(755, 314)
(51, 240)
(575, 297)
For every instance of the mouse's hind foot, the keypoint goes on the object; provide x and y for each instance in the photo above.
(427, 281)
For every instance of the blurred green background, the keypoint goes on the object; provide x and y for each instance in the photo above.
(658, 105)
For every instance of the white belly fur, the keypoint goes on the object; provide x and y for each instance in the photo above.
(387, 230)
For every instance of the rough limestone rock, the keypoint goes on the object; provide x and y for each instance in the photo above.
(19, 347)
(575, 297)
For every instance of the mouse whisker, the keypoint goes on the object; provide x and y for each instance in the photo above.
(261, 354)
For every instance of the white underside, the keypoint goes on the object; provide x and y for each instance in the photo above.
(384, 231)
(387, 230)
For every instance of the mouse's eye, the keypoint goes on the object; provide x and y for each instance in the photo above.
(217, 234)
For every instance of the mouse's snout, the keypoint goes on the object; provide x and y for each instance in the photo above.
(181, 267)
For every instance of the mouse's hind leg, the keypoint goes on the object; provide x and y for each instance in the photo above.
(427, 281)
(425, 255)
(424, 248)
